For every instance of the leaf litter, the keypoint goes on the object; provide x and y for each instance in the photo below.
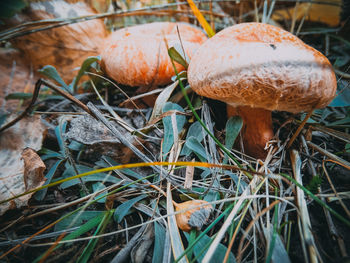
(22, 169)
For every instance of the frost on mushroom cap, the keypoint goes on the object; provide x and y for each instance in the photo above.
(137, 55)
(262, 66)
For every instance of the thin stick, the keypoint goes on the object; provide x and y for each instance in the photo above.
(251, 224)
(331, 156)
(301, 126)
(66, 95)
(27, 110)
(35, 97)
(20, 30)
(334, 190)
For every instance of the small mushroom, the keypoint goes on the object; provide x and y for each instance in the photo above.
(257, 68)
(195, 215)
(138, 56)
(192, 214)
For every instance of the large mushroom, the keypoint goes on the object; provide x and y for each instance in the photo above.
(138, 56)
(257, 68)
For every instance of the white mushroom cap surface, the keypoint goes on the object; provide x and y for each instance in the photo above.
(262, 66)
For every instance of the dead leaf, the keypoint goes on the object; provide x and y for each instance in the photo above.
(34, 169)
(16, 76)
(88, 130)
(321, 12)
(99, 139)
(141, 248)
(100, 6)
(21, 168)
(64, 47)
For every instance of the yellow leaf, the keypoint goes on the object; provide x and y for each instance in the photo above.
(321, 12)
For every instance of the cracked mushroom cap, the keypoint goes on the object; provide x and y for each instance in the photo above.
(262, 66)
(137, 55)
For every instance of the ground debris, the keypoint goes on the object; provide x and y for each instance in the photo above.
(22, 169)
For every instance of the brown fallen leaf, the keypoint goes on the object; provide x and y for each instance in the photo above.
(21, 168)
(64, 47)
(16, 76)
(320, 12)
(34, 169)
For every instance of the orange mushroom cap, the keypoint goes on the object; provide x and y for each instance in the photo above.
(137, 55)
(260, 66)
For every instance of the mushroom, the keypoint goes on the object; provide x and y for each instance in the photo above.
(192, 214)
(257, 68)
(138, 56)
(196, 214)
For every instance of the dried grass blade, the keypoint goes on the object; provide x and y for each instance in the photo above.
(227, 223)
(161, 100)
(336, 134)
(110, 110)
(124, 253)
(304, 213)
(189, 176)
(167, 249)
(122, 138)
(175, 237)
(334, 189)
(329, 155)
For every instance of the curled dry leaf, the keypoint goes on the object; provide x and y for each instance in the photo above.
(21, 168)
(16, 76)
(64, 47)
(34, 169)
(196, 217)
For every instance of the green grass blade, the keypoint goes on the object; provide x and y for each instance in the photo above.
(317, 200)
(84, 257)
(274, 234)
(201, 235)
(51, 72)
(82, 230)
(188, 101)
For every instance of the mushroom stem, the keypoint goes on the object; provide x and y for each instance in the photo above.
(256, 130)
